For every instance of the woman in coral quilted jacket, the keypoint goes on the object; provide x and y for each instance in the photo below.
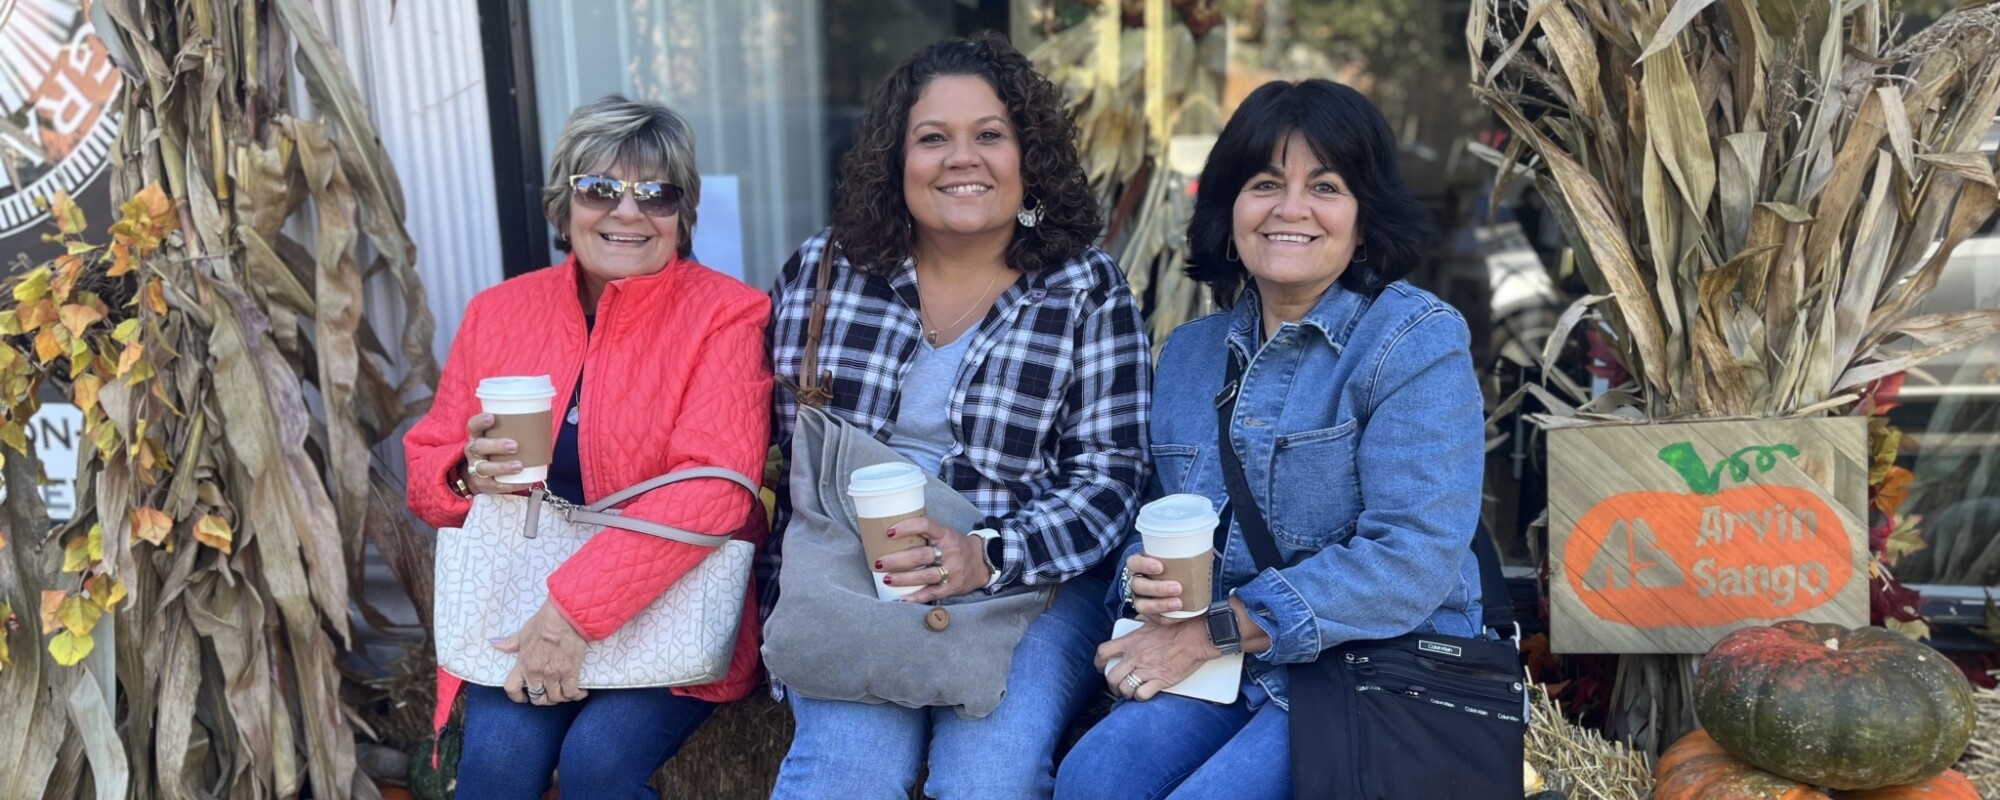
(659, 366)
(974, 328)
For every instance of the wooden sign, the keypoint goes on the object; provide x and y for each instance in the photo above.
(1665, 537)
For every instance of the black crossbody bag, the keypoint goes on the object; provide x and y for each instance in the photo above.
(1415, 717)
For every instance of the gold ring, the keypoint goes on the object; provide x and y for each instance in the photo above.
(944, 575)
(474, 465)
(1133, 681)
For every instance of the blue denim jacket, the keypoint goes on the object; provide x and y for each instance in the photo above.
(1361, 434)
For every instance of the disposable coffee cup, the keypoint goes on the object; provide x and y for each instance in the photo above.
(885, 494)
(1179, 530)
(523, 410)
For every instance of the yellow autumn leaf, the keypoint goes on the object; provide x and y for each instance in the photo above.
(106, 591)
(157, 207)
(105, 438)
(35, 314)
(10, 322)
(6, 617)
(69, 648)
(95, 540)
(122, 261)
(46, 346)
(15, 435)
(213, 530)
(76, 555)
(127, 332)
(51, 607)
(79, 615)
(85, 392)
(129, 357)
(151, 524)
(156, 296)
(67, 214)
(33, 286)
(68, 270)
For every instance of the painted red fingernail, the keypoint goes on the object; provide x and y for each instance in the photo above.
(886, 581)
(892, 534)
(878, 566)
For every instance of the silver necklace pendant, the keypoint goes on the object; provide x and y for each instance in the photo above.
(571, 417)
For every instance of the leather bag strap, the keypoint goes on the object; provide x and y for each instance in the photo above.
(1242, 505)
(815, 388)
(602, 512)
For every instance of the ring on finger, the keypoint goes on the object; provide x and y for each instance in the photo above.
(536, 693)
(937, 556)
(474, 465)
(944, 575)
(1133, 681)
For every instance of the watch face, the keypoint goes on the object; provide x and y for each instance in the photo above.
(1222, 625)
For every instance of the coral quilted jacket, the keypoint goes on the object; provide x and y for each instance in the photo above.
(674, 376)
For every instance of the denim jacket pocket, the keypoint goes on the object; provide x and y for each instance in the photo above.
(1316, 492)
(1171, 463)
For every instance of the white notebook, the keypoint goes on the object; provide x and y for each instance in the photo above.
(1216, 681)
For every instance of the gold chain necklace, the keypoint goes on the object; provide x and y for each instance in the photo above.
(932, 334)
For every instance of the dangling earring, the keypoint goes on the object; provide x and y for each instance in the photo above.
(1360, 254)
(1028, 216)
(1229, 249)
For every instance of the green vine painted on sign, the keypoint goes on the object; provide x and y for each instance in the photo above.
(1705, 481)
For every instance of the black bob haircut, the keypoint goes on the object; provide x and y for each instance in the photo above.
(1348, 134)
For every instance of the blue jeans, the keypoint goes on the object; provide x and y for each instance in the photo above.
(1174, 746)
(607, 745)
(863, 751)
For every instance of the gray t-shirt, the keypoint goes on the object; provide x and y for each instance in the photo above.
(921, 430)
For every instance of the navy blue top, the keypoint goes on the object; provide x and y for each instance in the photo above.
(566, 467)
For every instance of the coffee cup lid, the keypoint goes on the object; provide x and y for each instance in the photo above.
(517, 387)
(881, 479)
(1178, 514)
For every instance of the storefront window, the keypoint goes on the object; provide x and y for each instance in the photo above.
(1950, 416)
(773, 89)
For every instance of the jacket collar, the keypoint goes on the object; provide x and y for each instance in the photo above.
(573, 274)
(1334, 317)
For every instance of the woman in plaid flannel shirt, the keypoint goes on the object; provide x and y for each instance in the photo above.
(974, 328)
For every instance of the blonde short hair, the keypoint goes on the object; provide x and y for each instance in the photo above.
(646, 138)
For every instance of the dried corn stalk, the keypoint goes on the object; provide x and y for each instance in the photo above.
(1101, 69)
(229, 467)
(1765, 190)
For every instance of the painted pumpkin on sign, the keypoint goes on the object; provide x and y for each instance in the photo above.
(1710, 556)
(1844, 708)
(1696, 768)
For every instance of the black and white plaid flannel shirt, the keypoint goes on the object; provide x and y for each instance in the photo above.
(1051, 411)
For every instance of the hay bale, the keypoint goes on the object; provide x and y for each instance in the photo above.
(734, 754)
(1580, 763)
(1981, 762)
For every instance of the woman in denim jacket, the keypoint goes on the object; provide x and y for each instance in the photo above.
(1358, 424)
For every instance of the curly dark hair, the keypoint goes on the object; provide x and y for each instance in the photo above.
(871, 221)
(1347, 133)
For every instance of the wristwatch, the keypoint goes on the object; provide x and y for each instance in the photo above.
(993, 551)
(1222, 629)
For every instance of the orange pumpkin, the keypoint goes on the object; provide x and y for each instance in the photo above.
(1949, 786)
(1696, 768)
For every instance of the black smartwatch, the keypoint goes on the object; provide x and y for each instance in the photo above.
(1222, 629)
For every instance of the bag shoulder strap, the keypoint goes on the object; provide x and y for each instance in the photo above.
(603, 513)
(815, 388)
(1242, 505)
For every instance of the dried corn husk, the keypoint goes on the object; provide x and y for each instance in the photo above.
(1765, 191)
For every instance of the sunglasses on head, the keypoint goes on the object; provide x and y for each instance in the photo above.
(600, 193)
